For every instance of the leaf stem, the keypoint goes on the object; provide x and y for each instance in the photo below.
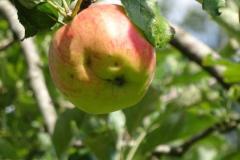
(76, 8)
(58, 21)
(59, 8)
(66, 7)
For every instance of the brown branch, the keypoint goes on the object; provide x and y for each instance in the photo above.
(224, 126)
(35, 74)
(6, 43)
(196, 51)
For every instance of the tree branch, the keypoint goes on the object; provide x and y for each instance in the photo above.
(35, 74)
(196, 51)
(224, 126)
(6, 43)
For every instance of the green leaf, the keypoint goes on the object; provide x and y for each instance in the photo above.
(234, 155)
(63, 132)
(230, 73)
(175, 125)
(39, 18)
(237, 2)
(171, 123)
(146, 16)
(234, 92)
(100, 136)
(136, 114)
(102, 144)
(30, 3)
(213, 6)
(6, 150)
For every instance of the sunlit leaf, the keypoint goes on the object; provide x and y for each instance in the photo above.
(146, 16)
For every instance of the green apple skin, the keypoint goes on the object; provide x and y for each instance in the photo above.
(100, 61)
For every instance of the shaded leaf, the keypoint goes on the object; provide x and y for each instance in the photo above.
(102, 144)
(6, 150)
(63, 132)
(167, 130)
(135, 115)
(30, 3)
(234, 92)
(213, 6)
(39, 18)
(230, 73)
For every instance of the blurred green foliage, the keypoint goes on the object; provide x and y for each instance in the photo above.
(182, 101)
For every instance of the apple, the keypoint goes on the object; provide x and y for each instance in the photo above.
(100, 61)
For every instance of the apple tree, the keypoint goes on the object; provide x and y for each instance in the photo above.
(119, 80)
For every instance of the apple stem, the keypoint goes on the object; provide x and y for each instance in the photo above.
(76, 8)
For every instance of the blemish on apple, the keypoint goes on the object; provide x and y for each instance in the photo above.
(107, 69)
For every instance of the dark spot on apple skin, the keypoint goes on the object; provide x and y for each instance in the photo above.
(71, 76)
(119, 81)
(88, 61)
(116, 64)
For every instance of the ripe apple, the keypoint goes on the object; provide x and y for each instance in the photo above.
(100, 61)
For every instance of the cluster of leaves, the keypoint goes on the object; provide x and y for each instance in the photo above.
(182, 100)
(180, 103)
(145, 14)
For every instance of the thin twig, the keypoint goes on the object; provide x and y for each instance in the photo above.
(6, 43)
(224, 126)
(134, 149)
(35, 74)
